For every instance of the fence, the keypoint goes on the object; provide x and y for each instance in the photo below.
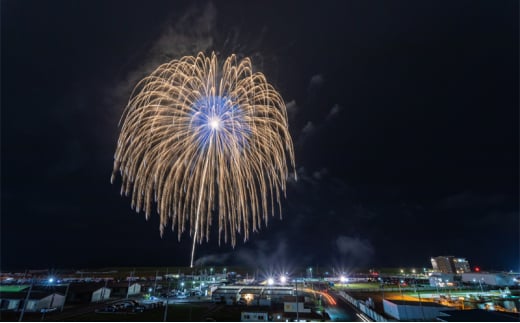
(363, 308)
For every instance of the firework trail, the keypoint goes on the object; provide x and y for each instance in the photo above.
(203, 140)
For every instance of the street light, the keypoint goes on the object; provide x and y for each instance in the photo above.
(283, 279)
(270, 281)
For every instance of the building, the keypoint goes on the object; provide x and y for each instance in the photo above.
(254, 317)
(251, 295)
(101, 294)
(461, 265)
(53, 300)
(293, 304)
(134, 289)
(491, 279)
(450, 265)
(412, 311)
(226, 294)
(37, 301)
(439, 279)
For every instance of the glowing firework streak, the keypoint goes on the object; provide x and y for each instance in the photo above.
(327, 296)
(203, 140)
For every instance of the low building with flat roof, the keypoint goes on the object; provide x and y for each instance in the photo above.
(412, 311)
(492, 279)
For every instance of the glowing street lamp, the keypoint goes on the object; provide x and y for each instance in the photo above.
(270, 281)
(283, 279)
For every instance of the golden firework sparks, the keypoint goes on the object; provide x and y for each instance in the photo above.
(203, 140)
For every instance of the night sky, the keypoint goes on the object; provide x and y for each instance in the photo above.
(404, 117)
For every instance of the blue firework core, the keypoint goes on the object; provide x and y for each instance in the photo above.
(219, 121)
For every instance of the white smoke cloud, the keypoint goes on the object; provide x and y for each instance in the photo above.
(336, 109)
(187, 35)
(292, 109)
(263, 253)
(213, 259)
(308, 128)
(355, 250)
(316, 80)
(259, 254)
(320, 174)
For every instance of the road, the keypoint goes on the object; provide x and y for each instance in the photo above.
(343, 311)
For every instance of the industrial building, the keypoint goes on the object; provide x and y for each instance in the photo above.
(37, 301)
(251, 295)
(491, 279)
(101, 294)
(412, 311)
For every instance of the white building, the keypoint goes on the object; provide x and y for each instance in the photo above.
(295, 304)
(254, 317)
(492, 279)
(412, 311)
(226, 294)
(51, 301)
(36, 302)
(134, 289)
(101, 294)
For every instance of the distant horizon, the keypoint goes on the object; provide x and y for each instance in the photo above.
(302, 269)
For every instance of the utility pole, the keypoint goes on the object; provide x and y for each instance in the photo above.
(26, 300)
(50, 305)
(155, 284)
(167, 296)
(297, 312)
(104, 290)
(65, 299)
(129, 281)
(420, 301)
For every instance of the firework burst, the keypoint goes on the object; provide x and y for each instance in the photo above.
(200, 140)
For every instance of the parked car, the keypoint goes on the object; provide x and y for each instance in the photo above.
(48, 310)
